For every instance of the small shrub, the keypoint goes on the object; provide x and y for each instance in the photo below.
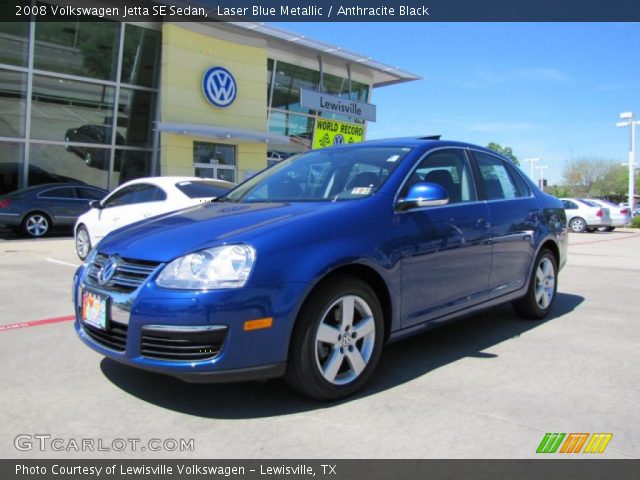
(635, 223)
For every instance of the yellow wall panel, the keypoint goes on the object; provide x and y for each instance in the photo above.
(186, 56)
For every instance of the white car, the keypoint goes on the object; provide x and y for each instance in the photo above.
(139, 199)
(585, 216)
(620, 216)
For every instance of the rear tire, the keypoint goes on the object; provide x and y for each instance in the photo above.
(543, 286)
(337, 339)
(577, 225)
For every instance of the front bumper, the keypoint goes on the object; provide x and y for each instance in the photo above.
(231, 353)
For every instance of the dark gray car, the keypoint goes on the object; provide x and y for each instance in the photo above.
(33, 211)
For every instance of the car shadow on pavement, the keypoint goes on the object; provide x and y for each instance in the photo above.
(8, 234)
(401, 362)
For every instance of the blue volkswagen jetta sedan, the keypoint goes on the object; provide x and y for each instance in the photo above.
(308, 268)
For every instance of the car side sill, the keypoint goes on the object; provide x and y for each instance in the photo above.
(459, 315)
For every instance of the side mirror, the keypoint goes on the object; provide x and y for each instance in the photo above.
(424, 195)
(95, 204)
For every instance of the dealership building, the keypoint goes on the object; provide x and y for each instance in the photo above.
(105, 102)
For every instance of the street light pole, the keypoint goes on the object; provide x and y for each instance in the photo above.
(541, 181)
(532, 161)
(628, 116)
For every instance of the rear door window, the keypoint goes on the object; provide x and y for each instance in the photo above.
(498, 181)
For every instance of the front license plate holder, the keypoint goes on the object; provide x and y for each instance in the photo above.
(94, 310)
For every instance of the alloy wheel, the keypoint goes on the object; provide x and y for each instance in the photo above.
(83, 244)
(37, 225)
(545, 283)
(344, 340)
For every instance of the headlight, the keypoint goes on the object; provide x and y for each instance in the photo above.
(220, 267)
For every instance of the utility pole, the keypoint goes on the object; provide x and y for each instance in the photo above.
(532, 161)
(629, 122)
(541, 180)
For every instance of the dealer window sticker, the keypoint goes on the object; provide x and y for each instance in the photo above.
(361, 191)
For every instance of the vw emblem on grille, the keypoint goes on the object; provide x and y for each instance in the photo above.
(219, 87)
(108, 270)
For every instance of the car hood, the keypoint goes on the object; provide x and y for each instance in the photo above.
(169, 236)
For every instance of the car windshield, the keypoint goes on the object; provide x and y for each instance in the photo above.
(326, 175)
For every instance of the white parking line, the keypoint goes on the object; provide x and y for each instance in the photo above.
(61, 262)
(74, 114)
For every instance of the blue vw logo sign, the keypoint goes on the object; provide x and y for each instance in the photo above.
(219, 87)
(108, 270)
(338, 139)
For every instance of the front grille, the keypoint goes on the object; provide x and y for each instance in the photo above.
(129, 275)
(182, 345)
(114, 338)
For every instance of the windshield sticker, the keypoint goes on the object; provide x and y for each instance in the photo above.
(393, 158)
(361, 191)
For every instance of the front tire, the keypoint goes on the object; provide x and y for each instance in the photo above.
(337, 340)
(543, 286)
(83, 242)
(578, 225)
(36, 225)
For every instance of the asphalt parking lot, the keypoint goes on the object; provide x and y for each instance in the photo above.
(489, 386)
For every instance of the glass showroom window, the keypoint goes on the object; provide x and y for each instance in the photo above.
(130, 164)
(68, 165)
(298, 127)
(11, 166)
(288, 80)
(13, 92)
(87, 49)
(61, 107)
(14, 43)
(215, 160)
(68, 133)
(141, 56)
(136, 110)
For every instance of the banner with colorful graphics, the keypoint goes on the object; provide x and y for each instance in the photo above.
(331, 132)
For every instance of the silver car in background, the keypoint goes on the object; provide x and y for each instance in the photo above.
(585, 216)
(620, 216)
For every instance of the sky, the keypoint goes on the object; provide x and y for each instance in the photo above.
(548, 90)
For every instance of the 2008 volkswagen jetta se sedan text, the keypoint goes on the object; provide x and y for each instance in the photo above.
(306, 269)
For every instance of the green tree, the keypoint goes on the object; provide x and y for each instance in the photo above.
(506, 151)
(596, 177)
(560, 191)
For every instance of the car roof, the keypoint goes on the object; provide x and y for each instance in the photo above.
(427, 141)
(47, 186)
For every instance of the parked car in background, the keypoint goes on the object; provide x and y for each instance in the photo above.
(585, 216)
(620, 216)
(140, 199)
(34, 211)
(94, 156)
(307, 268)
